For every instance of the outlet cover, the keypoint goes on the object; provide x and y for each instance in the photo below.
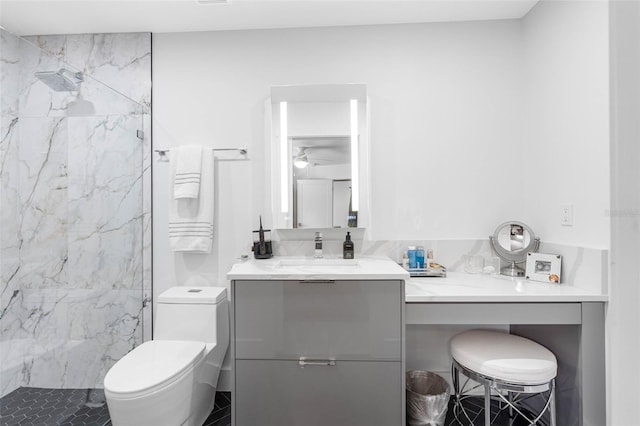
(566, 214)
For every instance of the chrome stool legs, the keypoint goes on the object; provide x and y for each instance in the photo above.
(516, 394)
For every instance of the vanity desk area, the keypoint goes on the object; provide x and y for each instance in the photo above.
(566, 319)
(315, 341)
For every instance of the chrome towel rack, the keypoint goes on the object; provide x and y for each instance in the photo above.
(243, 151)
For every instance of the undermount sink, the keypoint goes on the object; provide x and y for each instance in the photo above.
(316, 263)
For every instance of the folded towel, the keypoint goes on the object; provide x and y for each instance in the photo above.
(187, 173)
(191, 219)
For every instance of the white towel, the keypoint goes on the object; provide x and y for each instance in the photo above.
(188, 169)
(191, 219)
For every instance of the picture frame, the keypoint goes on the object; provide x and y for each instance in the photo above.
(544, 267)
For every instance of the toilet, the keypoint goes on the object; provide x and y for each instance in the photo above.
(172, 380)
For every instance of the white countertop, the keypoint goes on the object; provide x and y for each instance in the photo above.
(456, 287)
(463, 287)
(308, 268)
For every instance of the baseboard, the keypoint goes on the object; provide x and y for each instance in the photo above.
(224, 381)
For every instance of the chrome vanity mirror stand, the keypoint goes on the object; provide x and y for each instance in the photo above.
(512, 241)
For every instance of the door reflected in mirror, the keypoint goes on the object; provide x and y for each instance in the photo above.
(318, 156)
(322, 182)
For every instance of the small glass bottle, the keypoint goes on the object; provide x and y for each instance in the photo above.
(420, 257)
(429, 259)
(412, 257)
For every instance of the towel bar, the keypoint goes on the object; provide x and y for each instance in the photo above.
(243, 151)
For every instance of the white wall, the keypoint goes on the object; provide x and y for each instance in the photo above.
(448, 147)
(445, 124)
(566, 131)
(445, 120)
(623, 317)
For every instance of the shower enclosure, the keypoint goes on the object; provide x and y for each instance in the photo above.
(72, 219)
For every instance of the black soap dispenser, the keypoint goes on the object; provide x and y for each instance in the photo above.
(347, 248)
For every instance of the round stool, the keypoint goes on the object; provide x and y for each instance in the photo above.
(515, 368)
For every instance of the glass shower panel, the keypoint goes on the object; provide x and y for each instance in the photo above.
(71, 223)
(104, 239)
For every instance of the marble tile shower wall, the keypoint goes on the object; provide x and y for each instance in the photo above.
(75, 214)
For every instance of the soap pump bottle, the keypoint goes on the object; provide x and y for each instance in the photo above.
(347, 247)
(318, 246)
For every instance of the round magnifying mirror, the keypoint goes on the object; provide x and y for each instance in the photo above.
(512, 241)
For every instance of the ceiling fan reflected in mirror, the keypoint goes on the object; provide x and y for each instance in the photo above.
(301, 160)
(320, 151)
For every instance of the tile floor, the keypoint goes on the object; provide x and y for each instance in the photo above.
(475, 410)
(221, 414)
(78, 407)
(85, 407)
(68, 407)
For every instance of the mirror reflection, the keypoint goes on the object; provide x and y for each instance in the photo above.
(318, 145)
(512, 241)
(322, 182)
(513, 237)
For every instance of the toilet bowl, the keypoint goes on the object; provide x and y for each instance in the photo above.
(171, 380)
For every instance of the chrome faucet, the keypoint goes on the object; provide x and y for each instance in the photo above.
(318, 246)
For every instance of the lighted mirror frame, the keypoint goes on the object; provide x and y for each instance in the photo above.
(355, 179)
(284, 160)
(280, 167)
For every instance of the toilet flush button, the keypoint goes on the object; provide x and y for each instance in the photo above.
(194, 290)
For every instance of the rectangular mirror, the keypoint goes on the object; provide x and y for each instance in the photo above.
(318, 158)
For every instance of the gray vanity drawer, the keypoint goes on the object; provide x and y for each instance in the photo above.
(351, 393)
(358, 320)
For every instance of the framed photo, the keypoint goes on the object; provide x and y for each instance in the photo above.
(543, 267)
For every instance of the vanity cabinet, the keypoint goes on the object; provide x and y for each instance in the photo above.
(318, 352)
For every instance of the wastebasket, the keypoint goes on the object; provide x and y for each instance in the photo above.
(427, 398)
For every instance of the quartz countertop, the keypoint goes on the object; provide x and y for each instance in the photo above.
(456, 287)
(463, 287)
(333, 268)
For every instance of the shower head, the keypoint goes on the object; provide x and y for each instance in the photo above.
(62, 80)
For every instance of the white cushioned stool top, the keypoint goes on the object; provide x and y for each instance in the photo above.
(504, 356)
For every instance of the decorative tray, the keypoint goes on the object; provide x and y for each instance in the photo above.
(438, 271)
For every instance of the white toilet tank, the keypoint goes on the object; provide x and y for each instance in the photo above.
(191, 313)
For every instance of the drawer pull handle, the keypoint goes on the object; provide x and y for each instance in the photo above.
(317, 281)
(303, 362)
